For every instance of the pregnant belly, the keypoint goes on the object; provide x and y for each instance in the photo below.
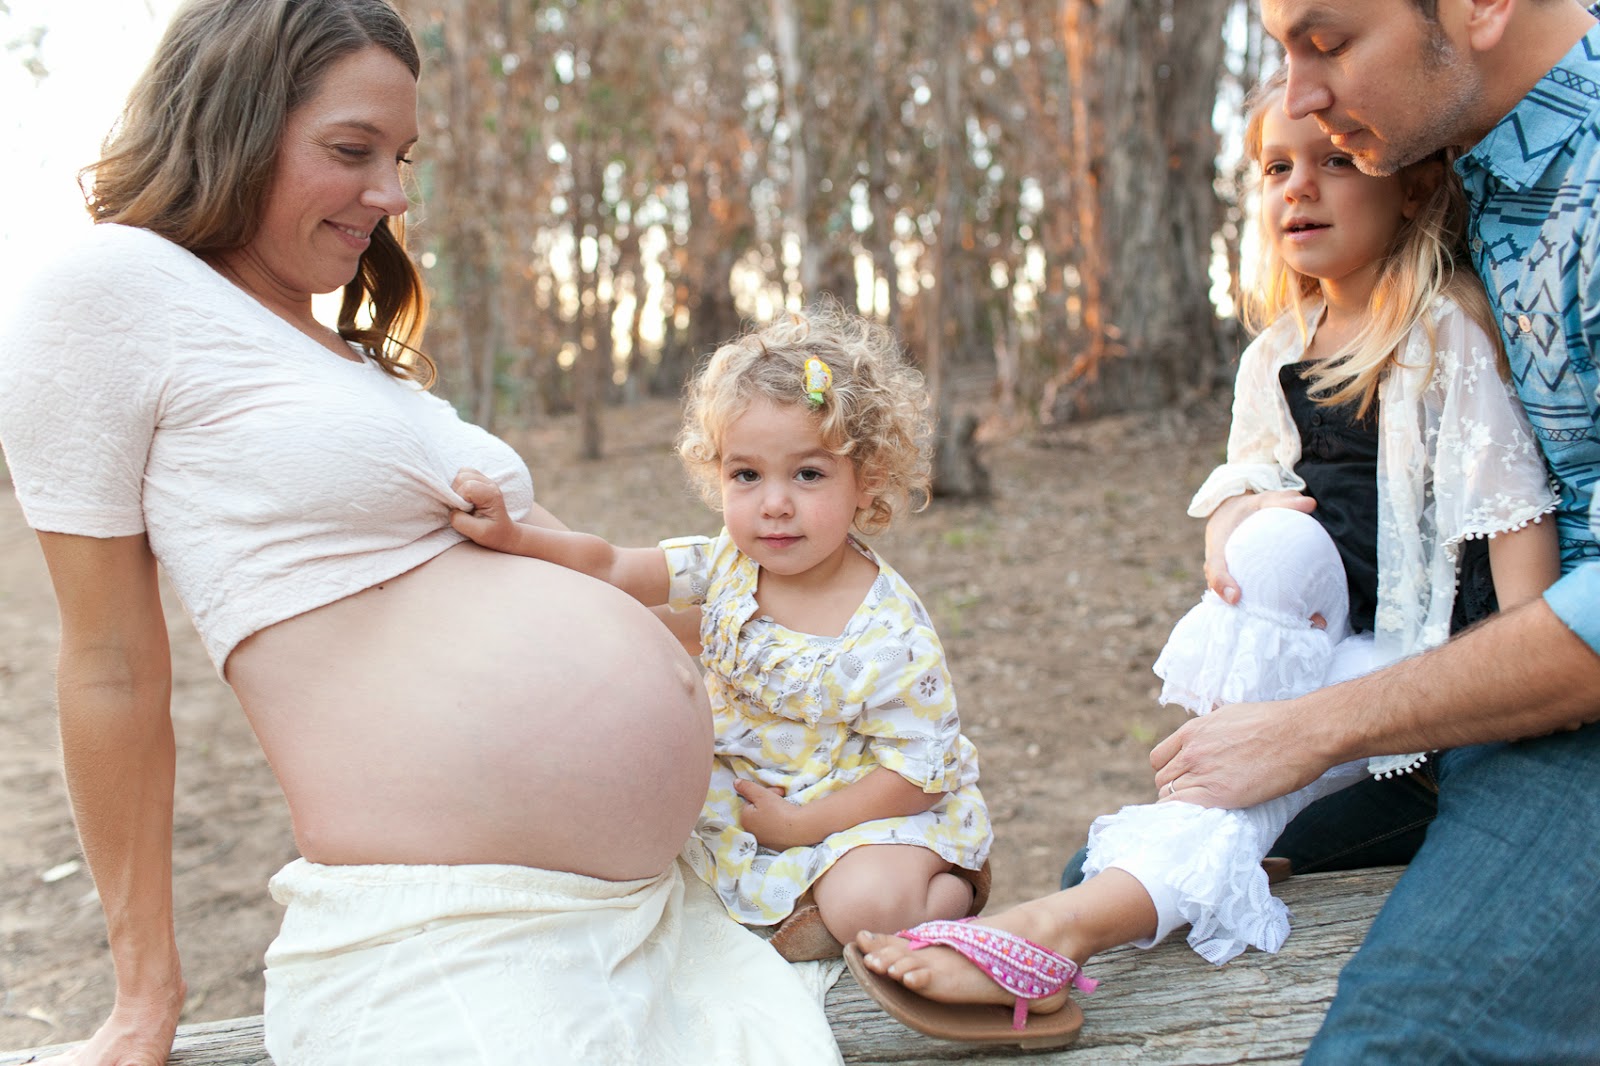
(482, 708)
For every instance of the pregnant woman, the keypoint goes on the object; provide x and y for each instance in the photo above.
(491, 762)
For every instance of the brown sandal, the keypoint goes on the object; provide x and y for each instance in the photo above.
(970, 1022)
(802, 937)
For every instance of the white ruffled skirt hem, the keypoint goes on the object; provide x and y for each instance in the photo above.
(1202, 865)
(1219, 653)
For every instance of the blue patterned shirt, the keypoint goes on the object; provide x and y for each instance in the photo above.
(1533, 184)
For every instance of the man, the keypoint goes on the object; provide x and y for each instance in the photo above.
(1489, 948)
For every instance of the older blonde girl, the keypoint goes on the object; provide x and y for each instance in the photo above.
(1373, 435)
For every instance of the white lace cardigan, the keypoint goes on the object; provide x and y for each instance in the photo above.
(1456, 459)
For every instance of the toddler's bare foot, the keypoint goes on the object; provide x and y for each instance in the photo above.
(942, 974)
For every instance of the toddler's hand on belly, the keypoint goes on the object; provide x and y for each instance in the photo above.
(487, 523)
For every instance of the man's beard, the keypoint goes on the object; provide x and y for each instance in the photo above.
(1451, 92)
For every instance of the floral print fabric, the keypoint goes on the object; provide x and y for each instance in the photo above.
(812, 715)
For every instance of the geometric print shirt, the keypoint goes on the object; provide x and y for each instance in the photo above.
(1533, 186)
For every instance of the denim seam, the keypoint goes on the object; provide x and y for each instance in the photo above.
(1367, 842)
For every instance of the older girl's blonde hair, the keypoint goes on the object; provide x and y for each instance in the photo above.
(875, 412)
(191, 157)
(1426, 259)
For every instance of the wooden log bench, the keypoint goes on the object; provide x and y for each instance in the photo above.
(1165, 1006)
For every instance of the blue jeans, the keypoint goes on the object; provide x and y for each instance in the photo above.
(1379, 822)
(1488, 950)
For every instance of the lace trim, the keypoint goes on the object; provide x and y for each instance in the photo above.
(1210, 860)
(1511, 527)
(1385, 766)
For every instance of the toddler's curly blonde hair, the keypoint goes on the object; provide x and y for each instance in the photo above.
(875, 412)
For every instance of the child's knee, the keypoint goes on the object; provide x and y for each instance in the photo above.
(1274, 525)
(1285, 561)
(856, 906)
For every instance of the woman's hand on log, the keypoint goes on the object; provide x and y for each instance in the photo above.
(138, 1033)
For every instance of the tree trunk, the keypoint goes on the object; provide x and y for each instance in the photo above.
(879, 130)
(795, 89)
(589, 370)
(1143, 76)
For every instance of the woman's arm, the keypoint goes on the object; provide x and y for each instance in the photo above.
(640, 572)
(778, 824)
(1524, 562)
(114, 686)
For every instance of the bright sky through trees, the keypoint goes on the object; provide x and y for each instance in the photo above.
(90, 53)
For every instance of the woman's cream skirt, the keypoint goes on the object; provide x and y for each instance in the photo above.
(512, 966)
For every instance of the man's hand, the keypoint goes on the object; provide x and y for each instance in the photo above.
(1226, 518)
(774, 821)
(1236, 756)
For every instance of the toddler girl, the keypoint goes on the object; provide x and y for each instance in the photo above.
(1370, 316)
(843, 796)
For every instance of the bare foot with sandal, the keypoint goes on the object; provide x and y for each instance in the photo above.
(1008, 979)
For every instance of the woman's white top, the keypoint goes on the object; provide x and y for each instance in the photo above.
(1456, 459)
(142, 392)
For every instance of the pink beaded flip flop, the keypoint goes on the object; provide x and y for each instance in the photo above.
(1027, 970)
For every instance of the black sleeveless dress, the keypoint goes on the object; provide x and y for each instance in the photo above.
(1339, 464)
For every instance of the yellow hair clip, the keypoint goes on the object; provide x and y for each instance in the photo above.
(819, 378)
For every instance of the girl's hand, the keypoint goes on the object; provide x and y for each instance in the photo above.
(487, 523)
(774, 821)
(1226, 518)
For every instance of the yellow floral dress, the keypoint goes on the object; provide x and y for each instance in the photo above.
(811, 715)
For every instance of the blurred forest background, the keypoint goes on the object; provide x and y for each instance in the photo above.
(1042, 195)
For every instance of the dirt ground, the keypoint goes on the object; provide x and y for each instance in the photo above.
(1052, 599)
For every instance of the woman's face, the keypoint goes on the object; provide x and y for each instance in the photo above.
(336, 177)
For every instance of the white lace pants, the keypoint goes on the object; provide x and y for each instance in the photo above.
(1202, 866)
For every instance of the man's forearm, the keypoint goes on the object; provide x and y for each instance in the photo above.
(1521, 674)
